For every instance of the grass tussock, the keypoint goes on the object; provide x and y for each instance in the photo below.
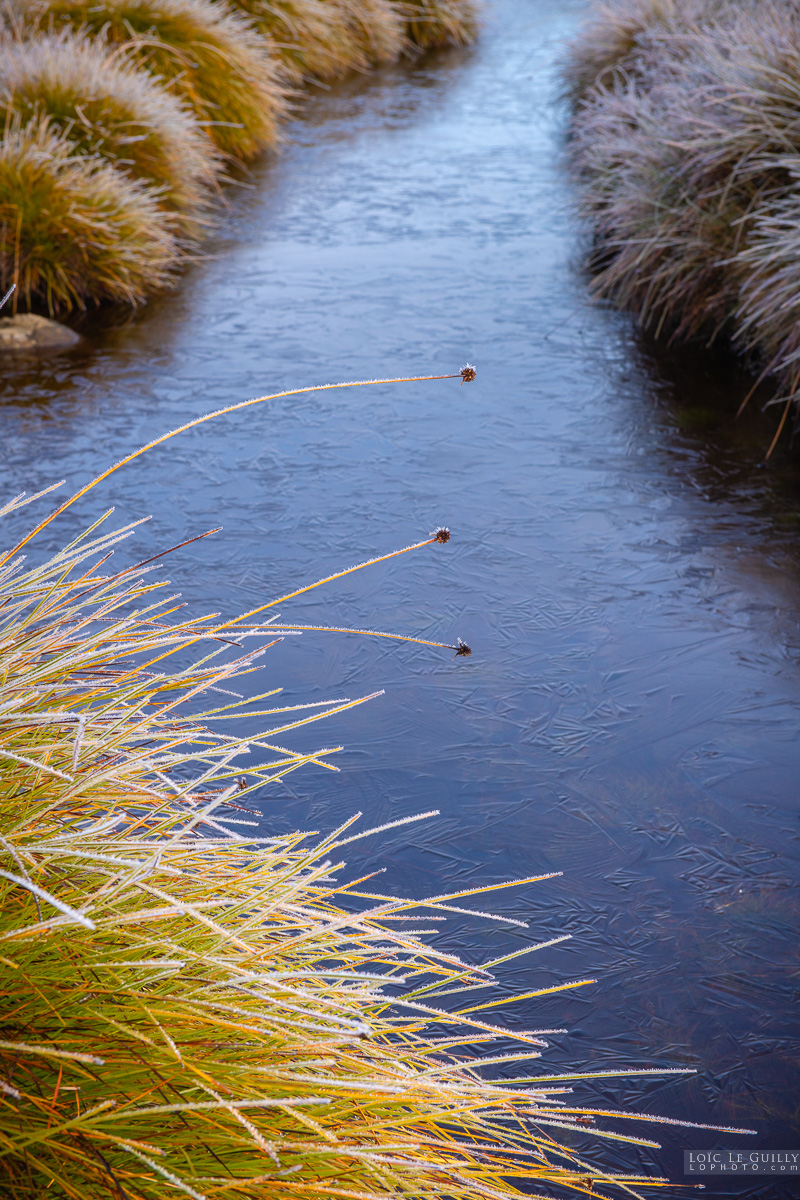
(326, 39)
(371, 29)
(435, 23)
(108, 108)
(74, 229)
(309, 36)
(191, 1006)
(686, 136)
(208, 55)
(613, 44)
(167, 92)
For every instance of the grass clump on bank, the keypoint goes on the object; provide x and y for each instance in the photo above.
(107, 108)
(435, 23)
(169, 93)
(191, 1006)
(323, 40)
(73, 229)
(686, 139)
(204, 52)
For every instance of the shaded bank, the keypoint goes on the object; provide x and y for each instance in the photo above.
(686, 141)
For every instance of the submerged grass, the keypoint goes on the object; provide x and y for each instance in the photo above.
(686, 136)
(190, 1006)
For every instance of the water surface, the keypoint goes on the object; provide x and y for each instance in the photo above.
(623, 565)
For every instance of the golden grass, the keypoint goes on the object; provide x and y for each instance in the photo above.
(326, 39)
(165, 91)
(109, 108)
(688, 148)
(308, 35)
(210, 56)
(190, 1006)
(374, 29)
(73, 229)
(432, 23)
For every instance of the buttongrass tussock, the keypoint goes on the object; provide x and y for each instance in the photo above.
(193, 1007)
(432, 23)
(190, 1006)
(326, 39)
(686, 142)
(73, 229)
(613, 43)
(310, 37)
(169, 92)
(374, 29)
(207, 54)
(108, 108)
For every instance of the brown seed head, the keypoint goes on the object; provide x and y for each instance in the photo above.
(468, 373)
(462, 650)
(442, 534)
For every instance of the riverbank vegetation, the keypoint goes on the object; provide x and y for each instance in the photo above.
(686, 140)
(191, 1004)
(130, 114)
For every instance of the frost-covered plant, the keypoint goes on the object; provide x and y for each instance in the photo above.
(191, 1005)
(210, 56)
(686, 139)
(109, 108)
(73, 229)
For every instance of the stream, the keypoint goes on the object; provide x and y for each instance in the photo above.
(623, 564)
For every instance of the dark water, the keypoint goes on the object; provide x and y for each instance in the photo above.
(623, 565)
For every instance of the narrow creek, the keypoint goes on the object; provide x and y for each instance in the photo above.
(624, 567)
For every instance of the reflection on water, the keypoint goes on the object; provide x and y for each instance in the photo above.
(622, 564)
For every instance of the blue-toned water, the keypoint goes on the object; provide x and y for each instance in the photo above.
(624, 567)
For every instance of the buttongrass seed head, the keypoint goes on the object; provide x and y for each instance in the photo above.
(468, 373)
(462, 650)
(441, 533)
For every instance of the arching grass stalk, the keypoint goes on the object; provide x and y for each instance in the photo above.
(466, 375)
(190, 1007)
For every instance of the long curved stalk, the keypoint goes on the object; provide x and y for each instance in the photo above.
(466, 375)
